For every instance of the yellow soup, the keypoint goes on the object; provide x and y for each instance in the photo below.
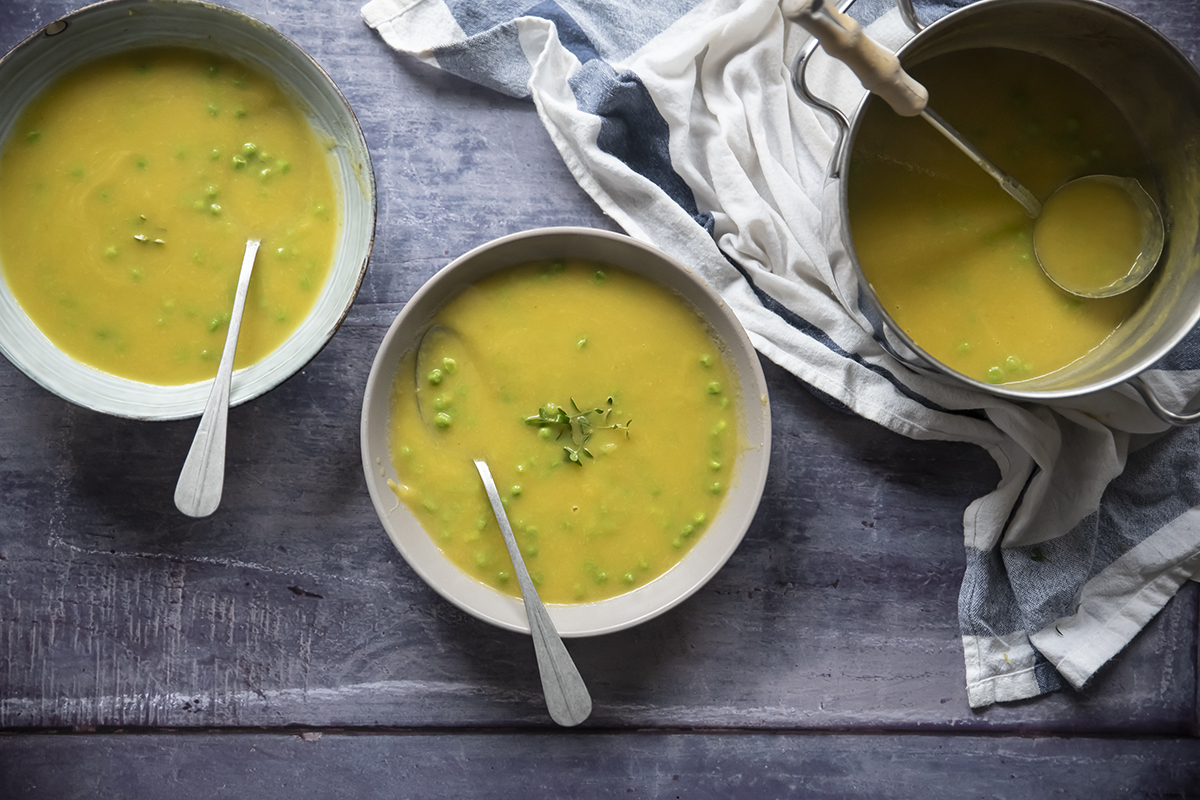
(128, 190)
(948, 252)
(604, 410)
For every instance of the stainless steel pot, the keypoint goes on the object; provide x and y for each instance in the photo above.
(1155, 87)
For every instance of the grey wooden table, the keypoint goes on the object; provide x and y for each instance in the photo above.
(283, 648)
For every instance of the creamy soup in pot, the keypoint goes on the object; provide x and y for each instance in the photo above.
(606, 413)
(128, 189)
(949, 253)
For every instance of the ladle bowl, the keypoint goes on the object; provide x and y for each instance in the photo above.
(1149, 249)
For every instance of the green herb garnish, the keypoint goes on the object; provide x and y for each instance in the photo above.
(579, 423)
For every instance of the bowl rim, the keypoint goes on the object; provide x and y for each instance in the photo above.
(626, 610)
(184, 401)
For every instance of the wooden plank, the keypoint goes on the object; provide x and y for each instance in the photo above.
(696, 766)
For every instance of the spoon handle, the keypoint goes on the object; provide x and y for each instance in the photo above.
(198, 492)
(567, 697)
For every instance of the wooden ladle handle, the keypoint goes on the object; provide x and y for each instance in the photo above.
(876, 67)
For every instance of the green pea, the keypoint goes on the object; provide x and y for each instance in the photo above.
(135, 274)
(239, 113)
(449, 365)
(582, 343)
(211, 191)
(995, 375)
(515, 491)
(502, 577)
(214, 155)
(481, 559)
(530, 551)
(601, 576)
(963, 348)
(283, 167)
(719, 428)
(110, 251)
(214, 324)
(687, 530)
(627, 577)
(239, 162)
(544, 433)
(599, 277)
(700, 518)
(435, 376)
(213, 110)
(716, 488)
(215, 209)
(706, 360)
(33, 137)
(443, 420)
(714, 387)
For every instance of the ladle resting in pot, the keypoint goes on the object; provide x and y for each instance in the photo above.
(1113, 218)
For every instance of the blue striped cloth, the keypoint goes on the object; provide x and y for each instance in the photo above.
(679, 118)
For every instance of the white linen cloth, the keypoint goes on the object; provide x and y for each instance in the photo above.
(679, 118)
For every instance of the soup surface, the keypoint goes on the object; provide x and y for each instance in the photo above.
(604, 410)
(948, 252)
(128, 190)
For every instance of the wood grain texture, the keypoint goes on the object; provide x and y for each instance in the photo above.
(290, 606)
(695, 766)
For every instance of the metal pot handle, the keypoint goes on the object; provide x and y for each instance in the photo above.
(1155, 405)
(909, 15)
(799, 69)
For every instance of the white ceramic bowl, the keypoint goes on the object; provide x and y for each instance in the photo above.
(712, 549)
(118, 25)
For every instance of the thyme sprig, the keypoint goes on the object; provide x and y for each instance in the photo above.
(579, 423)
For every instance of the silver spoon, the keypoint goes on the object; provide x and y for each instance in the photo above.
(567, 697)
(198, 492)
(881, 74)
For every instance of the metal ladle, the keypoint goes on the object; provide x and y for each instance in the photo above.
(880, 72)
